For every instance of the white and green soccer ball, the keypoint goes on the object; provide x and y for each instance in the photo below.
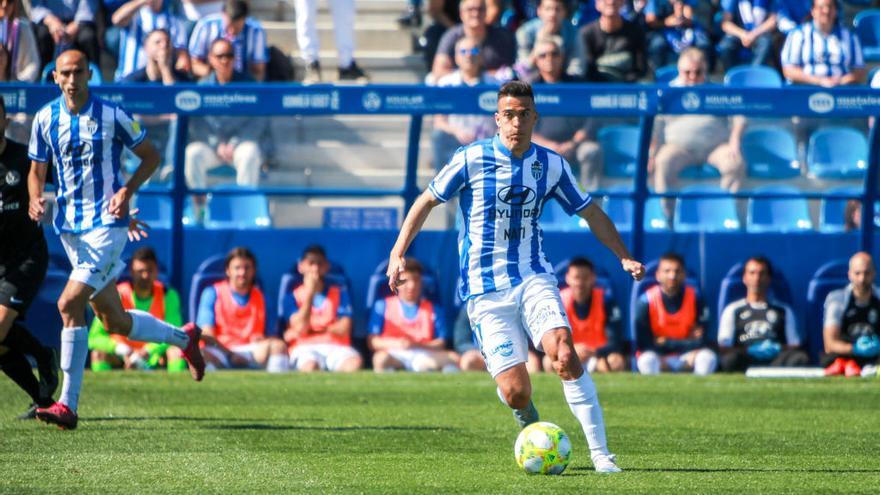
(542, 448)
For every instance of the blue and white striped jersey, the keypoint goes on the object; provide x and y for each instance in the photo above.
(249, 45)
(131, 42)
(749, 14)
(820, 54)
(86, 150)
(500, 201)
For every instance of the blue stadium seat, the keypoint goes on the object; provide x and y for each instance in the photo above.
(96, 80)
(733, 289)
(837, 153)
(666, 74)
(555, 219)
(778, 214)
(646, 283)
(703, 171)
(619, 145)
(752, 76)
(210, 271)
(620, 211)
(706, 214)
(43, 319)
(247, 209)
(867, 27)
(831, 210)
(377, 288)
(771, 153)
(829, 277)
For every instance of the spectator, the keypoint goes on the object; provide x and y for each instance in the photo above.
(140, 18)
(823, 52)
(343, 26)
(594, 318)
(852, 336)
(145, 293)
(568, 136)
(748, 27)
(408, 331)
(852, 215)
(244, 33)
(444, 15)
(552, 20)
(673, 30)
(232, 316)
(671, 324)
(453, 131)
(466, 345)
(756, 331)
(194, 10)
(158, 62)
(19, 56)
(614, 48)
(219, 139)
(497, 45)
(688, 140)
(790, 14)
(63, 24)
(318, 316)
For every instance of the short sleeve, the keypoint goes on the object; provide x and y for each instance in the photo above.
(128, 130)
(198, 41)
(834, 309)
(568, 193)
(258, 46)
(38, 148)
(377, 318)
(791, 51)
(451, 179)
(725, 327)
(205, 315)
(344, 310)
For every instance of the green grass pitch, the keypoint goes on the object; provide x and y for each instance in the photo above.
(437, 434)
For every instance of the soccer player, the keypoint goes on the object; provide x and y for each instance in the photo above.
(23, 261)
(84, 137)
(507, 281)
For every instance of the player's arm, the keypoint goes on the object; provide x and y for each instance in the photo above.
(149, 163)
(412, 224)
(604, 230)
(123, 15)
(299, 323)
(341, 326)
(200, 68)
(36, 183)
(833, 343)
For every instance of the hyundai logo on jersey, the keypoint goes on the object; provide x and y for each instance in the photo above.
(517, 195)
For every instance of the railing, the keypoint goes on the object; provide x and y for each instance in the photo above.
(641, 102)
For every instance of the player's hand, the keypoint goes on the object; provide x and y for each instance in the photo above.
(119, 203)
(37, 208)
(396, 266)
(137, 229)
(311, 280)
(636, 269)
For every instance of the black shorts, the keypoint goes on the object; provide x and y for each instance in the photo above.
(20, 281)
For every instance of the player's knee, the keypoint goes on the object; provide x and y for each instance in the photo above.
(425, 363)
(70, 306)
(705, 362)
(277, 346)
(380, 361)
(648, 363)
(516, 395)
(351, 364)
(615, 362)
(472, 361)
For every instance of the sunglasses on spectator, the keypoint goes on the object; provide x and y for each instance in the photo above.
(554, 53)
(473, 52)
(695, 72)
(224, 55)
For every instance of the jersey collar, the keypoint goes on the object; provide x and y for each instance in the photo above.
(506, 152)
(83, 111)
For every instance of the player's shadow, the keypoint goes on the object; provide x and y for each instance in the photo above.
(587, 471)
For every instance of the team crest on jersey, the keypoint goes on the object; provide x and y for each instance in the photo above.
(13, 177)
(537, 170)
(91, 125)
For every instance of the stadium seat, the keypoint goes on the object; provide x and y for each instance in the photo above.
(666, 74)
(830, 276)
(771, 153)
(752, 76)
(867, 27)
(555, 219)
(646, 283)
(778, 214)
(377, 287)
(43, 319)
(247, 209)
(620, 210)
(700, 172)
(732, 287)
(95, 80)
(706, 214)
(831, 210)
(837, 153)
(211, 270)
(620, 144)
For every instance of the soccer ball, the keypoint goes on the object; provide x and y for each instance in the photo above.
(542, 448)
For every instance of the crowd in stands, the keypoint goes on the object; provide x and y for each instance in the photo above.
(669, 329)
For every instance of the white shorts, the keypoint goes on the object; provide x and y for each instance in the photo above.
(96, 255)
(412, 359)
(245, 351)
(328, 356)
(503, 320)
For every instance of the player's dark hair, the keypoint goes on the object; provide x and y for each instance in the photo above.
(240, 252)
(670, 256)
(315, 249)
(235, 9)
(413, 265)
(160, 30)
(763, 261)
(564, 3)
(581, 262)
(145, 254)
(516, 89)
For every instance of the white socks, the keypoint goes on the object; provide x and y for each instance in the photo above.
(648, 363)
(584, 404)
(705, 362)
(147, 328)
(277, 363)
(74, 350)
